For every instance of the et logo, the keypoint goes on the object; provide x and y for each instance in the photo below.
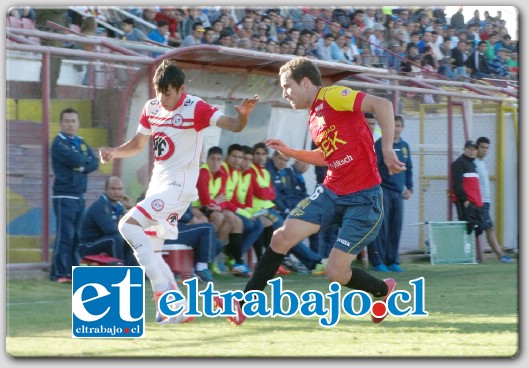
(108, 301)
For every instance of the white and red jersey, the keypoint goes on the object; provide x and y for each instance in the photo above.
(177, 143)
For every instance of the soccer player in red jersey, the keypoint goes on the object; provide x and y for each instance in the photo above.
(350, 195)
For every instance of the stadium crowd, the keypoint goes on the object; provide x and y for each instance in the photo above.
(403, 39)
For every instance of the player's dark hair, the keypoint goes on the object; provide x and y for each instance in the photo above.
(399, 118)
(299, 68)
(261, 145)
(247, 150)
(482, 140)
(168, 75)
(215, 150)
(234, 147)
(69, 110)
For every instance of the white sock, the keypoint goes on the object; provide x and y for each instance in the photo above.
(144, 253)
(166, 270)
(201, 266)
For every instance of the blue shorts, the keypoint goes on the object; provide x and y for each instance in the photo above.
(486, 221)
(359, 215)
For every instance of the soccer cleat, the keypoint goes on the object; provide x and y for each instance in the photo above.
(319, 269)
(506, 259)
(381, 268)
(218, 302)
(392, 284)
(240, 269)
(163, 320)
(218, 267)
(395, 267)
(203, 276)
(282, 271)
(64, 280)
(229, 263)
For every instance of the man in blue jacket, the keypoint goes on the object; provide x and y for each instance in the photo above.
(72, 160)
(99, 230)
(384, 251)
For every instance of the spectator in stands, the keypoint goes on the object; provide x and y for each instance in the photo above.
(99, 229)
(308, 19)
(377, 41)
(247, 23)
(272, 46)
(217, 28)
(170, 15)
(225, 39)
(72, 160)
(475, 20)
(499, 67)
(490, 52)
(131, 33)
(458, 19)
(460, 55)
(148, 15)
(505, 43)
(160, 34)
(227, 24)
(28, 12)
(404, 15)
(209, 36)
(338, 53)
(478, 63)
(412, 62)
(358, 19)
(325, 47)
(195, 38)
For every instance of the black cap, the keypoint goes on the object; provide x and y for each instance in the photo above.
(471, 144)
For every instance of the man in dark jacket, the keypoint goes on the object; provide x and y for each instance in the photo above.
(384, 251)
(72, 160)
(478, 62)
(465, 188)
(99, 230)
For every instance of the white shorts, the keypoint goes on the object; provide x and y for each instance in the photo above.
(163, 210)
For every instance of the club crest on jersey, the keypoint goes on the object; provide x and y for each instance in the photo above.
(178, 120)
(345, 92)
(173, 219)
(405, 152)
(163, 146)
(157, 205)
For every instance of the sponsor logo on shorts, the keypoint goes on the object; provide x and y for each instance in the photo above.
(157, 205)
(108, 302)
(343, 241)
(345, 92)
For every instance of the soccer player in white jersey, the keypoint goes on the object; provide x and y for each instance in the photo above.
(175, 121)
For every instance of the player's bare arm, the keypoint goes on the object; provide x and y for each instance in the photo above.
(313, 157)
(127, 149)
(383, 110)
(238, 123)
